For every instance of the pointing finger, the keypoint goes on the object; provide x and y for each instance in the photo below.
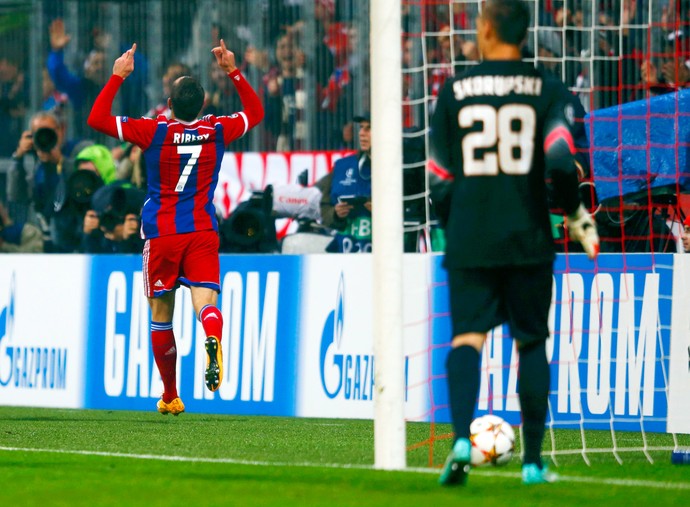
(134, 48)
(222, 45)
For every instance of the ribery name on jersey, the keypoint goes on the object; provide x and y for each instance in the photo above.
(249, 303)
(189, 138)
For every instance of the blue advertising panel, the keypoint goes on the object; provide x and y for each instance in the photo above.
(608, 352)
(260, 305)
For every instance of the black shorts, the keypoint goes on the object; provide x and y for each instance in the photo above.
(483, 298)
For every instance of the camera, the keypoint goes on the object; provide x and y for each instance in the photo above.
(81, 185)
(251, 226)
(112, 203)
(45, 139)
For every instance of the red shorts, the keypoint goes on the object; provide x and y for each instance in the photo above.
(181, 259)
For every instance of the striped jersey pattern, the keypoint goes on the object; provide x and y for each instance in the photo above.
(183, 160)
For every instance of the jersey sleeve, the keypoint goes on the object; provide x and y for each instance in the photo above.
(234, 126)
(559, 150)
(440, 144)
(440, 166)
(238, 124)
(139, 132)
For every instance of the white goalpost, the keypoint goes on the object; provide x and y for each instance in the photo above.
(387, 229)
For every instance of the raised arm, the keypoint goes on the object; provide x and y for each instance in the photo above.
(64, 80)
(253, 109)
(101, 118)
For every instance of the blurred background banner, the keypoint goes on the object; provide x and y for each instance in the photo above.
(641, 146)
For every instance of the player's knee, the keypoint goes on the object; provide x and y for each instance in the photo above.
(475, 340)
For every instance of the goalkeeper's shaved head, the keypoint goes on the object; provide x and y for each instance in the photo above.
(510, 19)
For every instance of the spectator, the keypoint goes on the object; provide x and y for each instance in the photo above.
(53, 100)
(12, 104)
(132, 167)
(445, 54)
(346, 201)
(40, 194)
(97, 158)
(112, 224)
(285, 97)
(18, 237)
(221, 96)
(336, 52)
(81, 89)
(94, 166)
(674, 71)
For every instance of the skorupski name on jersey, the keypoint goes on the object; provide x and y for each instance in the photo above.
(476, 86)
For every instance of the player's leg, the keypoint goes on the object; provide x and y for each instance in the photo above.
(160, 282)
(533, 391)
(474, 310)
(528, 298)
(204, 301)
(201, 272)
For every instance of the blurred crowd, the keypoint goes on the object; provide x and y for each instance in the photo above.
(309, 61)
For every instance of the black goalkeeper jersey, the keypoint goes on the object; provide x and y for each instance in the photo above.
(490, 129)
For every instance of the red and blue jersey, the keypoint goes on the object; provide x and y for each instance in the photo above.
(183, 159)
(182, 164)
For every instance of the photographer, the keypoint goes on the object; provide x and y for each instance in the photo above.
(112, 224)
(346, 191)
(94, 167)
(33, 191)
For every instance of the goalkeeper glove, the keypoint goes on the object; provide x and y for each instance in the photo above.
(582, 228)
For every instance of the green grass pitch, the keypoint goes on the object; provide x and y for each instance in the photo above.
(52, 457)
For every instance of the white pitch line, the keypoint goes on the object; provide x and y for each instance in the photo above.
(510, 475)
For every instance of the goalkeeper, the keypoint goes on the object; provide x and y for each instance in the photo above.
(498, 132)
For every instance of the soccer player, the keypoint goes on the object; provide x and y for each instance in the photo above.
(498, 131)
(183, 157)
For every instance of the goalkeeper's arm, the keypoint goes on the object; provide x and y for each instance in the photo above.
(440, 167)
(559, 150)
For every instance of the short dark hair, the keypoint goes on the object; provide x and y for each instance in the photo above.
(187, 98)
(510, 19)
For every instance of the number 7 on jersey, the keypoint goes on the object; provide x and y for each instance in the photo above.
(193, 151)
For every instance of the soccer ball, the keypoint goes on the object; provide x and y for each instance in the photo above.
(493, 441)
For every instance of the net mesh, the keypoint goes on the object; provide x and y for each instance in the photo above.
(614, 56)
(626, 63)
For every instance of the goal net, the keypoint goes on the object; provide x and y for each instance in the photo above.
(615, 338)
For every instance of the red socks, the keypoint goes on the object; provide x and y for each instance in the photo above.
(165, 354)
(212, 321)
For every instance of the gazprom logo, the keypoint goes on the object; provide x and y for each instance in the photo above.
(350, 376)
(27, 367)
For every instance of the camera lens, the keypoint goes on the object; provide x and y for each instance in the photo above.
(109, 221)
(45, 139)
(82, 184)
